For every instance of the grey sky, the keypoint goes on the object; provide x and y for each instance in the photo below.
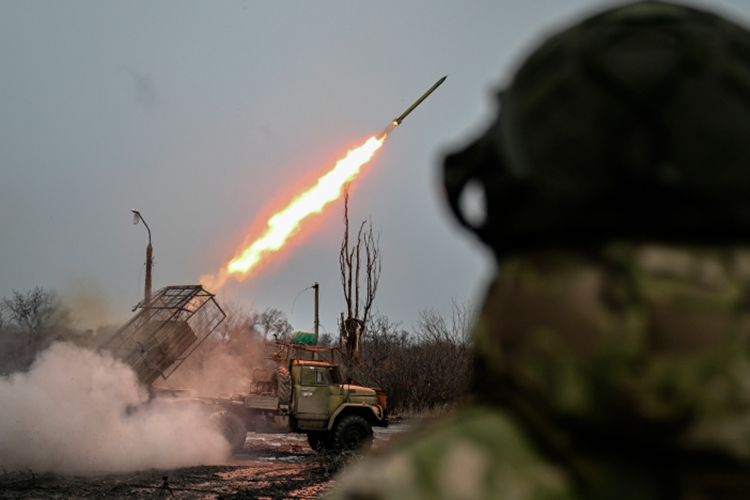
(201, 114)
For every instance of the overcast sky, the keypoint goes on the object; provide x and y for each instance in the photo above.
(203, 114)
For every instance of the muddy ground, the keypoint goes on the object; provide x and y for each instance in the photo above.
(271, 466)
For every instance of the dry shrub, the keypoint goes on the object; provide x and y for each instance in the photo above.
(427, 370)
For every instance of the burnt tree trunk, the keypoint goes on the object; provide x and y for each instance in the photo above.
(356, 267)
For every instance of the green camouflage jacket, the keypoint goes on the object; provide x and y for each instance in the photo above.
(617, 373)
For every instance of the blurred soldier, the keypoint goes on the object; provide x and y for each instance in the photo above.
(613, 349)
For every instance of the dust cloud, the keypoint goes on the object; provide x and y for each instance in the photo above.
(77, 411)
(86, 298)
(214, 373)
(224, 362)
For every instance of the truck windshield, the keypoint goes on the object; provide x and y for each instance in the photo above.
(315, 375)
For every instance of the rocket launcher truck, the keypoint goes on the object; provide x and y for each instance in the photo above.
(305, 391)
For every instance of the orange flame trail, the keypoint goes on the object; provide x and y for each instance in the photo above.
(285, 223)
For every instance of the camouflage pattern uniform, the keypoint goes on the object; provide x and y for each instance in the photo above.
(613, 347)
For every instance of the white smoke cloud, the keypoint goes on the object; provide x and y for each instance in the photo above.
(77, 411)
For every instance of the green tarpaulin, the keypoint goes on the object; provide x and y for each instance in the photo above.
(304, 338)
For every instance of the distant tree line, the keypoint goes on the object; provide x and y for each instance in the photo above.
(425, 370)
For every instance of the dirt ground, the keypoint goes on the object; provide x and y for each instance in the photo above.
(271, 466)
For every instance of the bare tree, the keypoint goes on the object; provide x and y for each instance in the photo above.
(272, 321)
(432, 327)
(31, 321)
(358, 262)
(33, 311)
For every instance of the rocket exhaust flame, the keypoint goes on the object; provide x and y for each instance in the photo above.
(285, 223)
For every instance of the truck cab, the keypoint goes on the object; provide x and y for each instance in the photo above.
(335, 415)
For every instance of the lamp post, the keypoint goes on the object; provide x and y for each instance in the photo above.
(316, 287)
(149, 257)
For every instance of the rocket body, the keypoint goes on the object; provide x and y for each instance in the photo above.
(398, 120)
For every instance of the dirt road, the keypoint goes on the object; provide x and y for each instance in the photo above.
(271, 466)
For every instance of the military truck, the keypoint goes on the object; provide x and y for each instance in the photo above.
(307, 392)
(303, 388)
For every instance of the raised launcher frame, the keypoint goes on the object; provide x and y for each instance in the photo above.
(166, 331)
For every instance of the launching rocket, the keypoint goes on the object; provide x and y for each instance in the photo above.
(398, 120)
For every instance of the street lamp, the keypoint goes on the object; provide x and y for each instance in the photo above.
(149, 258)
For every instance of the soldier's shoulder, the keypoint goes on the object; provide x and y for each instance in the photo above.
(480, 452)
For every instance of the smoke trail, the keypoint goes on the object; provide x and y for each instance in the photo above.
(77, 411)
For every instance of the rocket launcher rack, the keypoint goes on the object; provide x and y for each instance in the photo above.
(164, 332)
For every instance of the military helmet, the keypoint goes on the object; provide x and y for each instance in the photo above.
(632, 124)
(627, 134)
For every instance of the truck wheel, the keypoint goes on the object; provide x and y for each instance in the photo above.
(232, 428)
(320, 442)
(282, 385)
(352, 433)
